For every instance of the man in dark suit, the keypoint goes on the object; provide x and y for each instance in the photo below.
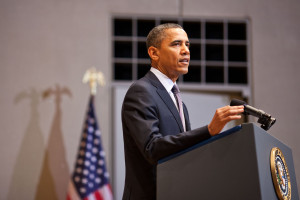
(155, 122)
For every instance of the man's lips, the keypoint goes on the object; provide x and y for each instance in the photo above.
(184, 60)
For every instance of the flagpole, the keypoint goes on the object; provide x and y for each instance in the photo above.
(90, 179)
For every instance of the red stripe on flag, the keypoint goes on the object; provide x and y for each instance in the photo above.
(109, 188)
(98, 195)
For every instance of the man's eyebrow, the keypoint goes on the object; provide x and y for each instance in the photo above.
(176, 41)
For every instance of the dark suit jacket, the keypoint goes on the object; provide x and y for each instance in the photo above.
(152, 130)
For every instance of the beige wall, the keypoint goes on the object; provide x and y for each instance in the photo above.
(48, 43)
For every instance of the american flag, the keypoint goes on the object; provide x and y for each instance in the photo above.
(90, 179)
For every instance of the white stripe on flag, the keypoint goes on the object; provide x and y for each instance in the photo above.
(91, 197)
(106, 193)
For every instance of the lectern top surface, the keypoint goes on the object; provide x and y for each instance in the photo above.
(221, 135)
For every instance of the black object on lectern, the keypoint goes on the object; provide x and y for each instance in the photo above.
(232, 165)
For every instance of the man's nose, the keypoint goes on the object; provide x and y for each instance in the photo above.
(185, 50)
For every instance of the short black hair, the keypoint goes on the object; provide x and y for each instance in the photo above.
(157, 34)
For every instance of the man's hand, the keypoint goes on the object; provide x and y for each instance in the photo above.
(223, 116)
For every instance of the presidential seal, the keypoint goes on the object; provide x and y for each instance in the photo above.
(280, 174)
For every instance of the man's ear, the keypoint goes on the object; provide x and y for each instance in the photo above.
(153, 53)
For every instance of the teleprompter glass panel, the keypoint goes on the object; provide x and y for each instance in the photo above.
(237, 53)
(214, 30)
(122, 27)
(193, 29)
(237, 75)
(237, 31)
(144, 27)
(214, 52)
(194, 74)
(143, 69)
(123, 71)
(214, 74)
(123, 49)
(195, 51)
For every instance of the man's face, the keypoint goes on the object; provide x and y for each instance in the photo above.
(173, 54)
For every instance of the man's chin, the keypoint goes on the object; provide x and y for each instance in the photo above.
(184, 71)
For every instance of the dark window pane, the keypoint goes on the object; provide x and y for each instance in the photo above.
(144, 27)
(163, 21)
(214, 30)
(123, 49)
(195, 50)
(237, 31)
(214, 74)
(237, 53)
(142, 70)
(214, 52)
(122, 27)
(123, 71)
(237, 75)
(142, 50)
(194, 74)
(193, 29)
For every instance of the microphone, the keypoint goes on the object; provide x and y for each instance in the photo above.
(264, 118)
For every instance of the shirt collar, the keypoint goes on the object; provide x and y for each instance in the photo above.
(165, 81)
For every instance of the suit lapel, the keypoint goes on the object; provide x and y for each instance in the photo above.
(164, 95)
(169, 102)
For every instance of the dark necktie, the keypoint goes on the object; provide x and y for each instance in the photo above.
(176, 93)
